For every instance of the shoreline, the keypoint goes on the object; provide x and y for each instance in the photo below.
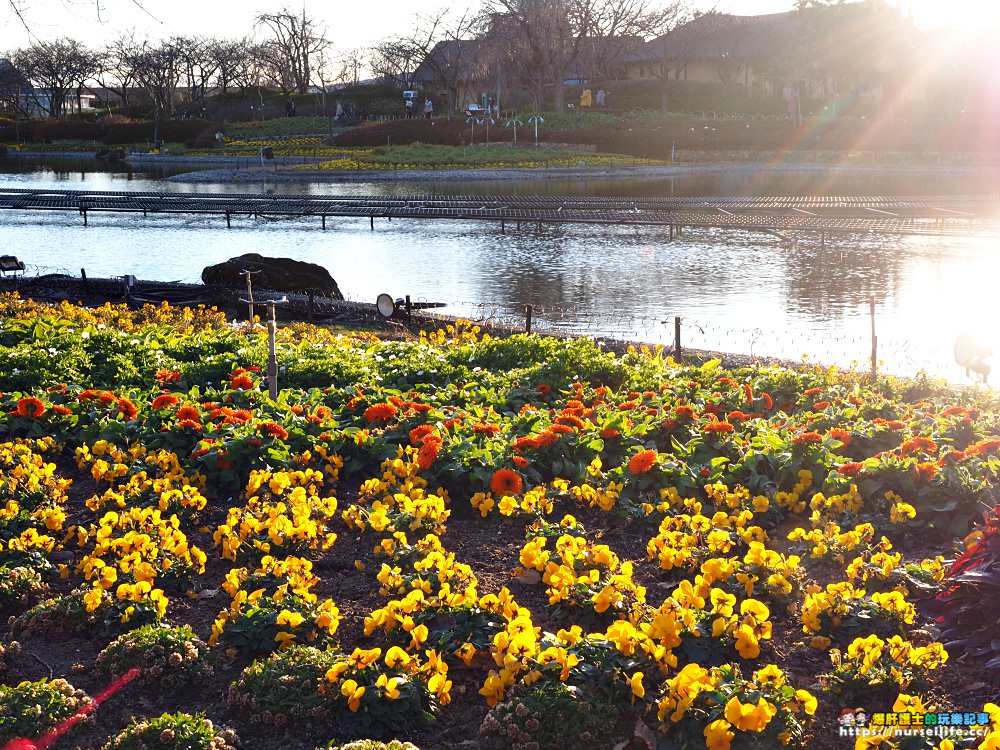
(229, 169)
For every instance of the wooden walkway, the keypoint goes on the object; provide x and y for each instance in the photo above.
(922, 215)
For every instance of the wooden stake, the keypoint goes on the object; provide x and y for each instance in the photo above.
(527, 318)
(677, 338)
(272, 354)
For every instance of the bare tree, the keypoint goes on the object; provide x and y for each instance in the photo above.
(58, 71)
(396, 60)
(453, 51)
(246, 69)
(227, 57)
(159, 71)
(348, 66)
(549, 34)
(619, 26)
(291, 45)
(198, 66)
(118, 74)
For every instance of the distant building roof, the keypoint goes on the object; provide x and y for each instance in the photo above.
(445, 54)
(853, 34)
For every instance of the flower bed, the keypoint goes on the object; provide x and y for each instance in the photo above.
(527, 540)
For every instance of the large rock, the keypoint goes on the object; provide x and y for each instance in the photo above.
(279, 274)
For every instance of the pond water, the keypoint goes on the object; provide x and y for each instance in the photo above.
(735, 291)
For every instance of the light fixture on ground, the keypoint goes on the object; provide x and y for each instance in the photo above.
(386, 305)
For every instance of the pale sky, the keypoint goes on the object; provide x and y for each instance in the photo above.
(349, 24)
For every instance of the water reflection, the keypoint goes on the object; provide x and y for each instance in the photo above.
(736, 291)
(824, 279)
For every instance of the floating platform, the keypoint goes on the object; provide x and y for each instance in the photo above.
(918, 215)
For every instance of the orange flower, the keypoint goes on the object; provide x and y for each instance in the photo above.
(983, 448)
(543, 389)
(428, 453)
(719, 428)
(820, 405)
(165, 401)
(380, 413)
(29, 406)
(521, 462)
(768, 401)
(167, 376)
(918, 445)
(525, 443)
(926, 470)
(421, 433)
(241, 382)
(952, 457)
(642, 461)
(506, 482)
(684, 412)
(60, 409)
(807, 438)
(484, 428)
(191, 424)
(851, 469)
(127, 409)
(839, 433)
(609, 432)
(547, 438)
(273, 429)
(188, 412)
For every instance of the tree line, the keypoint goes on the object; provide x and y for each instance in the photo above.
(525, 46)
(287, 52)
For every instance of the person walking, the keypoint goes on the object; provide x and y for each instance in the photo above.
(586, 98)
(428, 108)
(600, 98)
